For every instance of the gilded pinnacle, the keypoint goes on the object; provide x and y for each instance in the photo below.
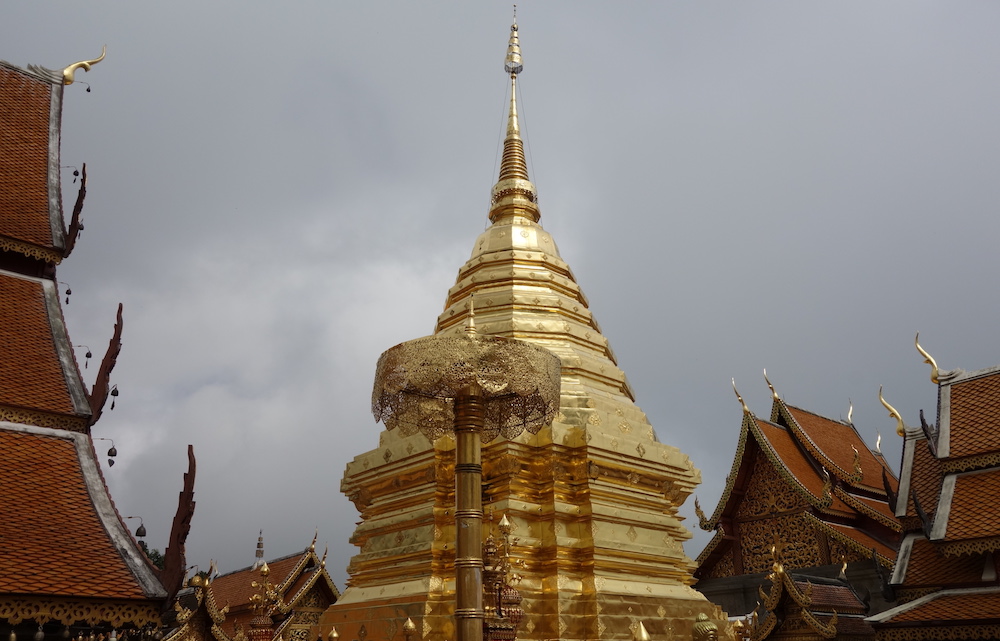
(513, 194)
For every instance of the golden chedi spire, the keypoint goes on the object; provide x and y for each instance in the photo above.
(591, 501)
(513, 194)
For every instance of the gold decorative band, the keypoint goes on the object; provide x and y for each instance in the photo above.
(42, 419)
(70, 612)
(31, 251)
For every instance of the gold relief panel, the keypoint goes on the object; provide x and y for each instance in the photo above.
(794, 532)
(767, 493)
(67, 612)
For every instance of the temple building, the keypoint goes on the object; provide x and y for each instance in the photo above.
(591, 501)
(808, 487)
(946, 576)
(68, 564)
(281, 599)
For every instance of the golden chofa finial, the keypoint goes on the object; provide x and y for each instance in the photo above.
(900, 428)
(878, 442)
(927, 359)
(746, 410)
(850, 412)
(68, 72)
(774, 394)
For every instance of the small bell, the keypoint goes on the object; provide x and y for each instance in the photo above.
(111, 462)
(40, 634)
(113, 452)
(140, 531)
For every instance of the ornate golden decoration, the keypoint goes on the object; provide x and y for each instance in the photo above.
(928, 359)
(16, 610)
(858, 472)
(68, 72)
(974, 546)
(900, 427)
(801, 549)
(867, 510)
(922, 632)
(42, 419)
(31, 251)
(774, 394)
(746, 410)
(416, 384)
(767, 493)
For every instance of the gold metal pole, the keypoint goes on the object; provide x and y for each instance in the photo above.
(468, 516)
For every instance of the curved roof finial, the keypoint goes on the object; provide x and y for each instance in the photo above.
(68, 72)
(746, 410)
(900, 428)
(927, 359)
(850, 412)
(774, 394)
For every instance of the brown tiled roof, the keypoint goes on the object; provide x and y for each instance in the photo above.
(975, 416)
(830, 598)
(835, 439)
(235, 589)
(24, 157)
(876, 505)
(864, 540)
(973, 513)
(925, 479)
(795, 462)
(965, 607)
(31, 375)
(927, 566)
(52, 540)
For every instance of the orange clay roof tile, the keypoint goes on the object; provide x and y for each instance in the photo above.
(829, 598)
(975, 416)
(925, 480)
(862, 538)
(796, 463)
(973, 514)
(968, 607)
(52, 541)
(927, 566)
(32, 376)
(236, 588)
(24, 157)
(835, 439)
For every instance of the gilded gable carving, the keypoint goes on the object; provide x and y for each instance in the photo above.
(794, 531)
(767, 493)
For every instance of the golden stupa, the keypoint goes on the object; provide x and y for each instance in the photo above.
(592, 500)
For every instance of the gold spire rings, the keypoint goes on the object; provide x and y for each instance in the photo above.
(900, 428)
(927, 359)
(68, 72)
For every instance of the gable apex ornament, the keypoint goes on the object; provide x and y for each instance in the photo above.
(67, 73)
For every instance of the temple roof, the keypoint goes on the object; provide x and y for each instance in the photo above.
(825, 463)
(40, 382)
(31, 221)
(60, 534)
(946, 607)
(292, 576)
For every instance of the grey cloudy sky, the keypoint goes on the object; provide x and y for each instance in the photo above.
(281, 191)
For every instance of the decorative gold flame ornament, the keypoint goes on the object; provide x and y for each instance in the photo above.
(900, 427)
(928, 359)
(746, 410)
(477, 387)
(774, 394)
(68, 72)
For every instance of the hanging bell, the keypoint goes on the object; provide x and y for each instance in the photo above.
(113, 452)
(140, 531)
(111, 462)
(40, 635)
